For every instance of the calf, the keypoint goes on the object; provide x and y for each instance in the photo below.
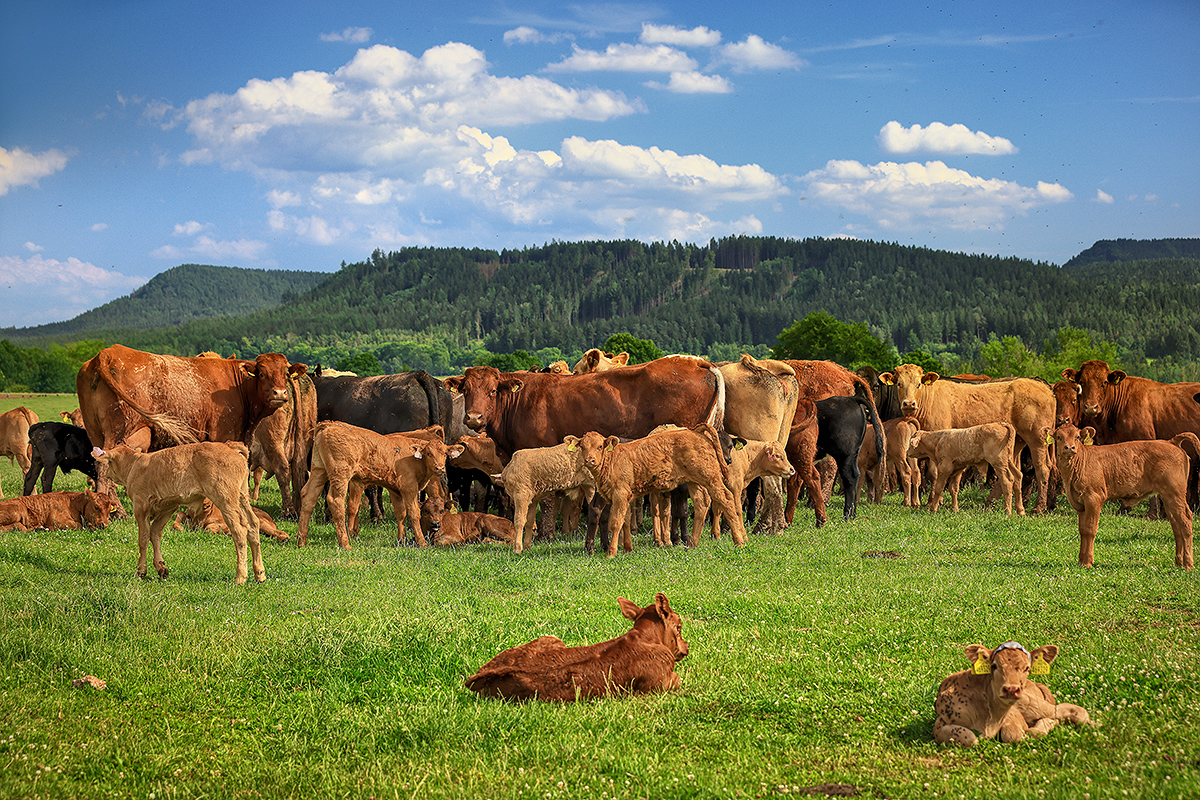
(55, 511)
(1128, 471)
(55, 446)
(996, 696)
(658, 463)
(207, 517)
(535, 473)
(14, 436)
(897, 433)
(159, 483)
(72, 417)
(752, 460)
(451, 526)
(641, 661)
(953, 450)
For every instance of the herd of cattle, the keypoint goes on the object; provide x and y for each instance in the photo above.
(189, 432)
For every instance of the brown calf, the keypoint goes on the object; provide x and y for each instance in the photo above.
(752, 460)
(207, 517)
(55, 511)
(996, 696)
(641, 661)
(1128, 471)
(159, 483)
(14, 436)
(953, 450)
(451, 526)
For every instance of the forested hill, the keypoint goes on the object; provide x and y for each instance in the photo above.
(181, 294)
(1108, 250)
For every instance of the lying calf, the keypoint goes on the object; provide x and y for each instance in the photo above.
(451, 526)
(996, 696)
(641, 661)
(55, 511)
(207, 517)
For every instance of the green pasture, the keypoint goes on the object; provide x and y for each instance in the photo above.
(811, 662)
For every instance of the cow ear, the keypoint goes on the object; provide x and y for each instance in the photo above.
(455, 452)
(887, 379)
(571, 442)
(974, 652)
(738, 443)
(611, 442)
(454, 384)
(621, 359)
(248, 368)
(663, 605)
(514, 386)
(1047, 652)
(1070, 374)
(417, 452)
(1116, 376)
(929, 377)
(1049, 438)
(297, 369)
(630, 610)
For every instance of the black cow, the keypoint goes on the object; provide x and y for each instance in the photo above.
(841, 425)
(56, 445)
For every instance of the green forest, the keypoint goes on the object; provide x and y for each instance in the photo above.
(442, 309)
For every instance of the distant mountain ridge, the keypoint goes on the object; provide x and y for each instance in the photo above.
(1112, 250)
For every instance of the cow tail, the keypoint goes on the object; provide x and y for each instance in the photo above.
(862, 392)
(716, 416)
(1190, 444)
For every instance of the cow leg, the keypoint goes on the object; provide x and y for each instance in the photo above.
(1089, 524)
(522, 504)
(618, 514)
(335, 500)
(939, 486)
(308, 501)
(772, 518)
(143, 537)
(811, 481)
(256, 476)
(413, 509)
(549, 518)
(701, 503)
(1180, 515)
(235, 520)
(375, 499)
(1041, 469)
(954, 734)
(851, 474)
(157, 522)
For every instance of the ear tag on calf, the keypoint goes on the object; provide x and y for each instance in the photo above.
(1049, 439)
(571, 447)
(1039, 666)
(1087, 440)
(981, 667)
(608, 449)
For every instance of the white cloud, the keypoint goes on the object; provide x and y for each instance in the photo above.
(189, 228)
(21, 168)
(282, 199)
(904, 195)
(232, 252)
(527, 35)
(694, 83)
(625, 57)
(100, 227)
(352, 35)
(314, 229)
(1104, 197)
(680, 37)
(955, 139)
(40, 290)
(753, 53)
(34, 248)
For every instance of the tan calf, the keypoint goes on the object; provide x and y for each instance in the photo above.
(953, 450)
(1130, 472)
(536, 473)
(897, 433)
(452, 527)
(159, 483)
(207, 517)
(596, 360)
(641, 661)
(14, 437)
(55, 511)
(752, 460)
(996, 696)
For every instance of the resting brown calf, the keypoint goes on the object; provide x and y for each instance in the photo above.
(207, 517)
(996, 696)
(641, 661)
(1130, 472)
(55, 511)
(953, 450)
(451, 526)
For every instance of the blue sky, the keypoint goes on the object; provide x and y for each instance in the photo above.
(136, 135)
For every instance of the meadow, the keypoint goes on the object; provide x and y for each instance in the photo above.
(811, 662)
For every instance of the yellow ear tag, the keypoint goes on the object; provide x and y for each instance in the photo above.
(453, 509)
(1087, 440)
(608, 449)
(1049, 439)
(981, 667)
(1039, 666)
(571, 447)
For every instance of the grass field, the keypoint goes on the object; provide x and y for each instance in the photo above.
(341, 675)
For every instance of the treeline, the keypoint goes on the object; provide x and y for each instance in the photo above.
(1107, 250)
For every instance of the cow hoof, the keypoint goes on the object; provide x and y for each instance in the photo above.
(261, 577)
(162, 571)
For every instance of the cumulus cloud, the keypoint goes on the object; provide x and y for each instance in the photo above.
(189, 228)
(527, 35)
(1104, 197)
(625, 57)
(955, 139)
(753, 53)
(679, 37)
(22, 168)
(39, 290)
(34, 248)
(232, 252)
(694, 83)
(351, 35)
(905, 195)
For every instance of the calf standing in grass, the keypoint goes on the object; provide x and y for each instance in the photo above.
(55, 511)
(1130, 472)
(14, 436)
(536, 473)
(953, 450)
(159, 483)
(641, 661)
(996, 696)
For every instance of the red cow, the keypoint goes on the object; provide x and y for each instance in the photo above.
(1123, 408)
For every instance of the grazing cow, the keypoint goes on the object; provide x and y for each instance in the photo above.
(1026, 404)
(73, 417)
(1131, 471)
(841, 424)
(55, 446)
(205, 516)
(625, 471)
(953, 450)
(535, 473)
(55, 511)
(450, 526)
(282, 441)
(519, 410)
(1123, 408)
(596, 360)
(159, 483)
(996, 696)
(149, 401)
(640, 661)
(349, 458)
(14, 436)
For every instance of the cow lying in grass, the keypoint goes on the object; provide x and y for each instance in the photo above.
(640, 661)
(55, 511)
(205, 516)
(996, 696)
(449, 526)
(1130, 472)
(953, 450)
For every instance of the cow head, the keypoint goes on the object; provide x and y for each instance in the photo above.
(96, 509)
(1094, 379)
(479, 452)
(593, 447)
(596, 360)
(672, 623)
(118, 459)
(480, 386)
(774, 461)
(908, 378)
(433, 453)
(1066, 401)
(270, 373)
(1009, 665)
(1068, 440)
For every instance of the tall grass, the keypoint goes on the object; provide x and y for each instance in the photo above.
(810, 664)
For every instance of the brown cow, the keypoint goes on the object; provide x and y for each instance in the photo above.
(996, 696)
(1026, 404)
(596, 360)
(953, 450)
(282, 442)
(625, 471)
(149, 401)
(14, 436)
(640, 661)
(159, 483)
(535, 473)
(1125, 408)
(1093, 474)
(72, 417)
(453, 527)
(55, 511)
(203, 515)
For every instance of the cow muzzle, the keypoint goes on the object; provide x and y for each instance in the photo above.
(1011, 691)
(909, 407)
(474, 421)
(1091, 410)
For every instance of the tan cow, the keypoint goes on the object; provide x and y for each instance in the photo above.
(953, 450)
(996, 696)
(639, 662)
(55, 511)
(536, 473)
(1129, 471)
(596, 360)
(752, 460)
(14, 436)
(453, 527)
(625, 471)
(207, 517)
(1026, 404)
(159, 483)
